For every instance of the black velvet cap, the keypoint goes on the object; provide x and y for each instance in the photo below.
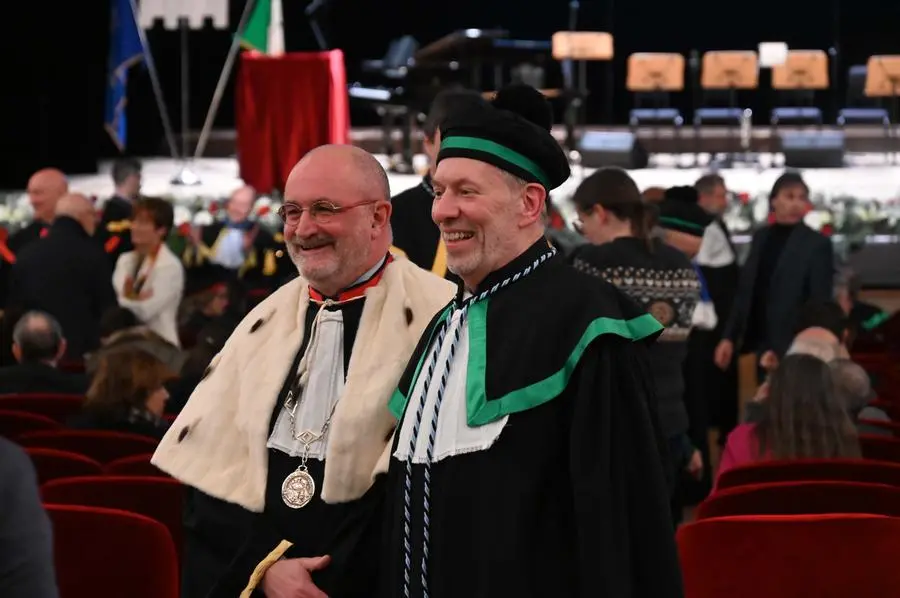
(680, 212)
(505, 135)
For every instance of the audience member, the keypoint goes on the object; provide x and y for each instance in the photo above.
(66, 275)
(789, 264)
(127, 393)
(862, 317)
(38, 345)
(660, 279)
(150, 280)
(855, 389)
(802, 417)
(45, 187)
(115, 320)
(26, 536)
(115, 221)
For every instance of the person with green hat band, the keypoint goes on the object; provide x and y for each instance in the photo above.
(525, 461)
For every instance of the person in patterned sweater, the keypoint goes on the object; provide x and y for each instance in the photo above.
(624, 251)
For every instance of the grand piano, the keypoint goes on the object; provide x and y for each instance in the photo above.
(401, 86)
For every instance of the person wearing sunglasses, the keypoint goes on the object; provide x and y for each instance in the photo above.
(291, 417)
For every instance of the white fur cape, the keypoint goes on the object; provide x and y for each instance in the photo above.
(218, 442)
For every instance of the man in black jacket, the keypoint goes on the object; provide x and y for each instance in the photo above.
(115, 222)
(66, 275)
(38, 345)
(789, 264)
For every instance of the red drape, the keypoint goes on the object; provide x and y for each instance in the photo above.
(286, 106)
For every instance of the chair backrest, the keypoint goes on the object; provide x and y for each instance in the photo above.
(52, 464)
(847, 470)
(59, 407)
(880, 448)
(102, 446)
(15, 423)
(160, 499)
(802, 498)
(137, 465)
(856, 87)
(128, 554)
(825, 556)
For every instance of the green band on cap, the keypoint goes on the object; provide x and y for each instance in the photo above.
(500, 151)
(682, 223)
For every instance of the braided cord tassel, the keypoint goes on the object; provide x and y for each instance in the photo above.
(432, 429)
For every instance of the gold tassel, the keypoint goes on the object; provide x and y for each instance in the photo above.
(269, 264)
(260, 571)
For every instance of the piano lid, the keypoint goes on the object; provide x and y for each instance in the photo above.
(458, 44)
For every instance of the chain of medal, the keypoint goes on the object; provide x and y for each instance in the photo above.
(298, 487)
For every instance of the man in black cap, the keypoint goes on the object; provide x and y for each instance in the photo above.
(525, 461)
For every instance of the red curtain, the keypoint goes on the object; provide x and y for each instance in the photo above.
(286, 106)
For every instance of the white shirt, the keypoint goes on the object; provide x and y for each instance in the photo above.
(165, 278)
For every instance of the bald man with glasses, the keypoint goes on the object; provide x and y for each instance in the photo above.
(291, 421)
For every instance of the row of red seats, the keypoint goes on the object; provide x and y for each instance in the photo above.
(828, 528)
(56, 407)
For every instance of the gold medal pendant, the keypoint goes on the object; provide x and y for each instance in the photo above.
(298, 488)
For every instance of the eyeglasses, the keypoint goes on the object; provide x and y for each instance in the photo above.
(321, 212)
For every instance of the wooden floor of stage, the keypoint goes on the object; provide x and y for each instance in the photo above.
(655, 140)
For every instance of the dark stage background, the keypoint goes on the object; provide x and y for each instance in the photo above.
(54, 58)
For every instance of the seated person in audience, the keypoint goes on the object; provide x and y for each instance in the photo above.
(127, 392)
(26, 537)
(117, 319)
(820, 323)
(802, 418)
(204, 304)
(150, 280)
(38, 345)
(855, 389)
(862, 317)
(210, 340)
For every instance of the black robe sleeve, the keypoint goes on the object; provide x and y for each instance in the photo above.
(626, 543)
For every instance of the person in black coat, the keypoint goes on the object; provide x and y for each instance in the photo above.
(66, 275)
(115, 222)
(38, 345)
(45, 188)
(26, 535)
(789, 264)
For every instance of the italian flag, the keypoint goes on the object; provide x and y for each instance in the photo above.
(265, 29)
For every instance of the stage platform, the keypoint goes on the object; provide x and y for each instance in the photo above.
(659, 140)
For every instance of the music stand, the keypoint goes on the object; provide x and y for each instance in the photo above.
(656, 73)
(883, 81)
(802, 71)
(580, 47)
(727, 70)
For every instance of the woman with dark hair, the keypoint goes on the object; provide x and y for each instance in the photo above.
(623, 251)
(803, 417)
(127, 393)
(788, 265)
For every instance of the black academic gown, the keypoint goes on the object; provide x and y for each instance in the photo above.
(415, 233)
(114, 232)
(571, 499)
(347, 532)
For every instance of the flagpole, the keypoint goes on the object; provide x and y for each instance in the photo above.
(223, 80)
(154, 81)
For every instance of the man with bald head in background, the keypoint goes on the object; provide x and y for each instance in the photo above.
(238, 247)
(66, 274)
(291, 421)
(45, 187)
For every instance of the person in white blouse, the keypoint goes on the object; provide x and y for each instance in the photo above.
(150, 280)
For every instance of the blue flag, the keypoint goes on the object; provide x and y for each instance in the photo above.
(125, 51)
